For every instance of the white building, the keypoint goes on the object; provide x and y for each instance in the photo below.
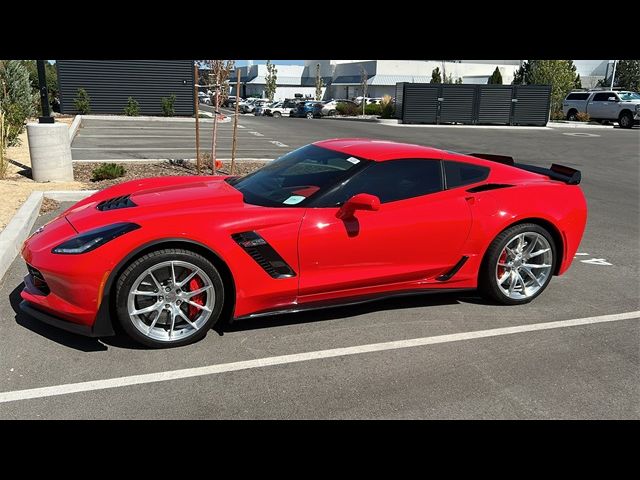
(343, 78)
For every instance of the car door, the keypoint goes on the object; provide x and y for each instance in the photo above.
(417, 233)
(600, 106)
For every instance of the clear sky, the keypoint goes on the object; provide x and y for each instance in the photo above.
(242, 63)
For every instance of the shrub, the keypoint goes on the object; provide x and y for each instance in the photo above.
(349, 109)
(107, 171)
(16, 99)
(168, 106)
(583, 116)
(3, 158)
(557, 115)
(373, 109)
(388, 107)
(82, 102)
(132, 108)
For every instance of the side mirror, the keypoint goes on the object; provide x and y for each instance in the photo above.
(361, 201)
(612, 99)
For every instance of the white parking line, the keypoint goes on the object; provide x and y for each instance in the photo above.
(186, 137)
(68, 388)
(278, 144)
(157, 149)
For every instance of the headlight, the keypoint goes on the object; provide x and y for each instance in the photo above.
(93, 239)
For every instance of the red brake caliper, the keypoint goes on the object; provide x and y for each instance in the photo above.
(194, 284)
(502, 259)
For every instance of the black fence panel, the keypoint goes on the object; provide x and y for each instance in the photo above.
(494, 105)
(420, 103)
(474, 104)
(110, 83)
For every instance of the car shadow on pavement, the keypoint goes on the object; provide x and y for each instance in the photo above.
(71, 340)
(426, 299)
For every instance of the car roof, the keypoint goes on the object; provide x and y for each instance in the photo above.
(380, 150)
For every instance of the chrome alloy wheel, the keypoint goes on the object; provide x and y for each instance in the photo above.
(171, 300)
(524, 265)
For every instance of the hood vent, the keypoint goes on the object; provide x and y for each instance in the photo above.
(116, 203)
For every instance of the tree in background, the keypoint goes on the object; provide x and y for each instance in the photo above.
(578, 82)
(51, 76)
(16, 98)
(459, 81)
(319, 83)
(435, 76)
(271, 81)
(448, 79)
(560, 74)
(363, 83)
(522, 76)
(628, 75)
(495, 78)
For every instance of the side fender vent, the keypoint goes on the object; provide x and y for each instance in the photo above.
(263, 254)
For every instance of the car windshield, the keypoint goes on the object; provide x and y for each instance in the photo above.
(296, 177)
(629, 96)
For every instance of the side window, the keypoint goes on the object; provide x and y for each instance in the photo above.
(390, 181)
(601, 97)
(578, 96)
(459, 174)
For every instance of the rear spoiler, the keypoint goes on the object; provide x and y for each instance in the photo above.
(568, 175)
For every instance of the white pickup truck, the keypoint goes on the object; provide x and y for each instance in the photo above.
(618, 106)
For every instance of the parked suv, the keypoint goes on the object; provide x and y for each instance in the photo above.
(311, 109)
(620, 106)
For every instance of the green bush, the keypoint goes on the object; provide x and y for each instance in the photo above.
(82, 102)
(107, 171)
(16, 99)
(373, 109)
(168, 106)
(132, 108)
(583, 116)
(349, 109)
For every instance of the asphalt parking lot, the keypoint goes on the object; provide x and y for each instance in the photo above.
(589, 371)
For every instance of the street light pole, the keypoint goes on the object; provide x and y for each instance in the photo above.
(44, 94)
(613, 76)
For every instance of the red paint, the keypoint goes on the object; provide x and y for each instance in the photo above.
(374, 248)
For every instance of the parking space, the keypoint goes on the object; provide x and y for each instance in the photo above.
(590, 370)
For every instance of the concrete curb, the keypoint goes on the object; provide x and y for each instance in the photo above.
(477, 127)
(154, 160)
(576, 125)
(73, 129)
(17, 231)
(354, 119)
(149, 119)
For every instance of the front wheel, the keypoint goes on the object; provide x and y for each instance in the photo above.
(276, 114)
(626, 120)
(572, 115)
(518, 265)
(169, 298)
(310, 115)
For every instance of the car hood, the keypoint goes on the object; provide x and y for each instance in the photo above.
(152, 197)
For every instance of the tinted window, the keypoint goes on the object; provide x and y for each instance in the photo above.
(390, 181)
(578, 96)
(458, 174)
(603, 97)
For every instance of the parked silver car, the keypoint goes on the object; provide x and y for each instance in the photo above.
(619, 106)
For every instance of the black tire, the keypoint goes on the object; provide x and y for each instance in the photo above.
(626, 120)
(332, 113)
(572, 115)
(487, 283)
(276, 114)
(133, 271)
(309, 115)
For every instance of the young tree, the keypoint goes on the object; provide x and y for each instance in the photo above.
(271, 81)
(628, 75)
(319, 83)
(459, 81)
(435, 76)
(219, 70)
(495, 78)
(363, 83)
(448, 79)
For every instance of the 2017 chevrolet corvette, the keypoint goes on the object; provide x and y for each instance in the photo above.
(335, 222)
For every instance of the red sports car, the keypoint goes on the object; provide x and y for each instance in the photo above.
(335, 222)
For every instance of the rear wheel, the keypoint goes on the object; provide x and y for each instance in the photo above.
(276, 114)
(309, 115)
(332, 113)
(518, 265)
(626, 120)
(169, 298)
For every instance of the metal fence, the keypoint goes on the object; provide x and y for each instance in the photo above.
(473, 104)
(110, 83)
